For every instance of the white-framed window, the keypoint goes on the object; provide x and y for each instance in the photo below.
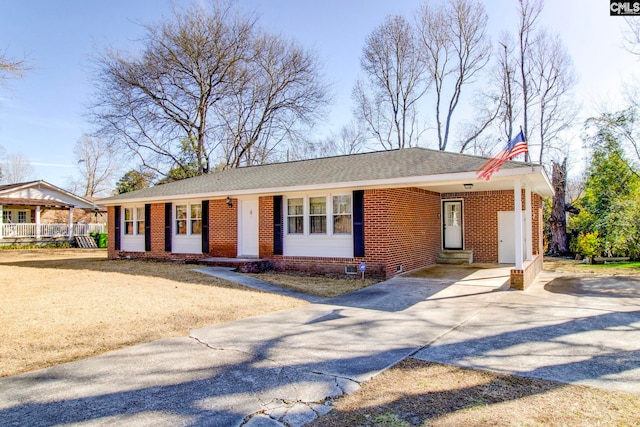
(196, 218)
(189, 219)
(318, 215)
(295, 215)
(129, 221)
(342, 214)
(7, 217)
(139, 220)
(134, 221)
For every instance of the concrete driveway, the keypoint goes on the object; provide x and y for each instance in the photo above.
(284, 368)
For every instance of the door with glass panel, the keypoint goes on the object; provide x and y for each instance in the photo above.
(452, 224)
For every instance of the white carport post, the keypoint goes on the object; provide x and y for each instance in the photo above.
(38, 222)
(517, 207)
(70, 223)
(528, 225)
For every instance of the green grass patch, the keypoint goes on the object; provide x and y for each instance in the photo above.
(56, 245)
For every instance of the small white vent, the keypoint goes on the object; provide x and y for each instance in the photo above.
(399, 268)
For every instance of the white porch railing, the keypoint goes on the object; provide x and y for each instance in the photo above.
(50, 230)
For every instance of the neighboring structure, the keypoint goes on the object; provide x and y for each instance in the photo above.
(393, 210)
(30, 211)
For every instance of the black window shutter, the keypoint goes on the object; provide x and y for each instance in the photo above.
(277, 225)
(147, 227)
(168, 211)
(358, 223)
(116, 229)
(205, 226)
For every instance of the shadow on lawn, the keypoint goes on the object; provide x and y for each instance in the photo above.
(220, 379)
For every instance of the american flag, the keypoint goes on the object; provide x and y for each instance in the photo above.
(516, 146)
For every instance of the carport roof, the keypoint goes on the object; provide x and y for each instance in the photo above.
(396, 167)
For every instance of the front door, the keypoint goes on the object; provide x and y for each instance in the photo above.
(248, 227)
(452, 224)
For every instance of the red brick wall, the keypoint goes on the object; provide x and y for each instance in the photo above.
(111, 222)
(265, 227)
(223, 228)
(157, 230)
(402, 228)
(480, 213)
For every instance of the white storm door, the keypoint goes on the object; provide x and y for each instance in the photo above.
(506, 236)
(452, 224)
(248, 227)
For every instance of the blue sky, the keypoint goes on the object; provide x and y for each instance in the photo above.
(43, 114)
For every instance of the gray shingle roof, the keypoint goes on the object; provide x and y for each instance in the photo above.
(380, 165)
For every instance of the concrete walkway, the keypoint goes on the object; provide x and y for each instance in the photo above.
(284, 368)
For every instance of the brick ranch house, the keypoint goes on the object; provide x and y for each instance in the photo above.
(394, 210)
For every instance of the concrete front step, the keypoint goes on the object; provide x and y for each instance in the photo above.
(455, 257)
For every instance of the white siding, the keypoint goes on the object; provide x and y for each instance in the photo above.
(132, 243)
(319, 246)
(187, 244)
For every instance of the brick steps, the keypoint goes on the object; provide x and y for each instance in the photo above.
(455, 257)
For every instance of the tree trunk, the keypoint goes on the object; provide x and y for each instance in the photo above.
(558, 220)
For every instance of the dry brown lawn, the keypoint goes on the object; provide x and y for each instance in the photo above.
(65, 304)
(61, 305)
(421, 393)
(323, 286)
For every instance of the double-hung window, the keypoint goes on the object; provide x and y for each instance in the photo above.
(140, 220)
(318, 215)
(133, 221)
(295, 216)
(129, 221)
(342, 214)
(189, 219)
(196, 219)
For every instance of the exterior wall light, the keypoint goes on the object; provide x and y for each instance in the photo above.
(229, 201)
(468, 186)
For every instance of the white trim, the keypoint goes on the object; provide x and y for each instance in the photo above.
(528, 225)
(517, 204)
(442, 216)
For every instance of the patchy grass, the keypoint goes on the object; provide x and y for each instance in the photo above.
(565, 265)
(416, 393)
(59, 305)
(324, 286)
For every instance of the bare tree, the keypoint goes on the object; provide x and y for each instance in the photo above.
(455, 47)
(98, 162)
(558, 219)
(632, 36)
(11, 67)
(207, 85)
(552, 80)
(276, 89)
(394, 82)
(16, 168)
(529, 12)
